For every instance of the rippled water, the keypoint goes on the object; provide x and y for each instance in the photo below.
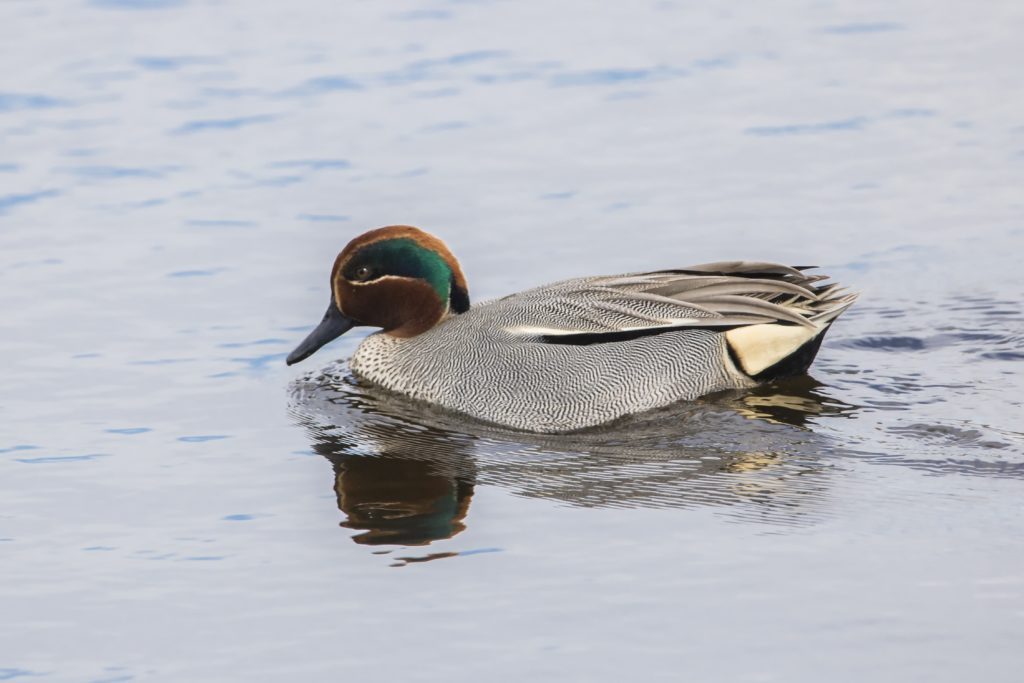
(176, 177)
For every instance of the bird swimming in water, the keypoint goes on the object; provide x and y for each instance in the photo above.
(572, 354)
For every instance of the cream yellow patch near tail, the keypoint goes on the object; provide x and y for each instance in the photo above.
(758, 347)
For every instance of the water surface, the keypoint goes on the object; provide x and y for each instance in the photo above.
(176, 177)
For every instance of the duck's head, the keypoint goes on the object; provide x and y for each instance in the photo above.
(398, 278)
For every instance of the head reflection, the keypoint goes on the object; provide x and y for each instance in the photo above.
(397, 486)
(396, 501)
(404, 474)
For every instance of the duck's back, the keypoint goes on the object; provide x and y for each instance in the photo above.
(583, 352)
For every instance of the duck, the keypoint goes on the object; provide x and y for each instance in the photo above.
(573, 354)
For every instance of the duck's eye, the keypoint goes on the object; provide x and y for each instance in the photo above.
(363, 273)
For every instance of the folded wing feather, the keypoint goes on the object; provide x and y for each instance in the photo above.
(767, 310)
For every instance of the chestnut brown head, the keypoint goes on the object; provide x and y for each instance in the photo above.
(397, 278)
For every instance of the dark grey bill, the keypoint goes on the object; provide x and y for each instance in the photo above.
(334, 324)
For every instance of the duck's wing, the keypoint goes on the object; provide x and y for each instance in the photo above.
(715, 295)
(779, 307)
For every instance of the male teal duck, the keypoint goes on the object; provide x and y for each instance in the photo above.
(572, 354)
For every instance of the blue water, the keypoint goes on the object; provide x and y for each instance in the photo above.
(176, 177)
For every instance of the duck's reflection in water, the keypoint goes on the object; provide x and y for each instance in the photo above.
(397, 500)
(404, 473)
